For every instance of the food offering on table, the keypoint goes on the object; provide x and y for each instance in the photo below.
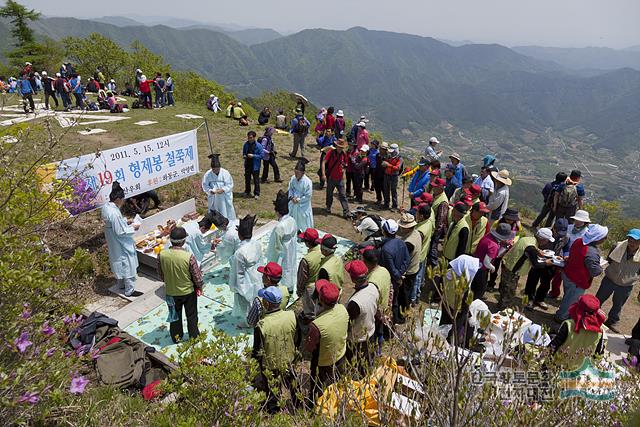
(557, 260)
(190, 216)
(507, 320)
(155, 241)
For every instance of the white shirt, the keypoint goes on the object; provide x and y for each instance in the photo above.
(367, 227)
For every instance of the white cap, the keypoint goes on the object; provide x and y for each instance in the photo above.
(365, 148)
(138, 70)
(390, 226)
(394, 147)
(434, 140)
(239, 104)
(546, 233)
(58, 75)
(361, 124)
(27, 63)
(143, 77)
(211, 96)
(44, 73)
(112, 81)
(340, 113)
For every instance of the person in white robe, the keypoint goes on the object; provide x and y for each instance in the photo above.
(300, 192)
(225, 239)
(123, 257)
(244, 279)
(283, 247)
(217, 184)
(196, 243)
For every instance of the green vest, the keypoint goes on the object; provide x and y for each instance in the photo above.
(314, 261)
(577, 346)
(475, 233)
(175, 270)
(453, 235)
(425, 228)
(285, 297)
(512, 257)
(333, 325)
(332, 264)
(380, 277)
(442, 198)
(278, 331)
(415, 239)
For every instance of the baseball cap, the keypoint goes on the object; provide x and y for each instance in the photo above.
(309, 235)
(481, 207)
(271, 269)
(272, 294)
(327, 292)
(435, 172)
(328, 241)
(561, 226)
(356, 269)
(546, 233)
(634, 233)
(438, 182)
(425, 198)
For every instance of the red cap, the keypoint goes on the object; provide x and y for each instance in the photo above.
(435, 172)
(327, 292)
(272, 270)
(482, 207)
(356, 269)
(425, 198)
(367, 248)
(309, 235)
(438, 183)
(475, 189)
(328, 241)
(466, 199)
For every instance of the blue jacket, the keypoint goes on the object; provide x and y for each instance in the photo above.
(25, 87)
(323, 141)
(294, 124)
(257, 155)
(418, 182)
(458, 175)
(394, 256)
(373, 158)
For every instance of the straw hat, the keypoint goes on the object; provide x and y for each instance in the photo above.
(502, 176)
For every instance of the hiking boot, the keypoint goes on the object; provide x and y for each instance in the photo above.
(257, 196)
(246, 194)
(277, 180)
(612, 325)
(541, 304)
(135, 294)
(264, 181)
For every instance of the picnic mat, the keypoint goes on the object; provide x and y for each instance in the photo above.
(214, 307)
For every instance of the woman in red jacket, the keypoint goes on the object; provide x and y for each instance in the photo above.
(145, 89)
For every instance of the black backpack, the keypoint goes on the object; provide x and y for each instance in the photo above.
(302, 127)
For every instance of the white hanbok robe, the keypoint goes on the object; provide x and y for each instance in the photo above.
(244, 279)
(123, 257)
(229, 243)
(301, 212)
(223, 203)
(196, 242)
(282, 249)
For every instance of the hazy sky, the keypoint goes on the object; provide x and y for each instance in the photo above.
(577, 23)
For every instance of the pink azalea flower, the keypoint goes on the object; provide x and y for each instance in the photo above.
(95, 354)
(47, 330)
(50, 352)
(29, 397)
(78, 384)
(26, 313)
(22, 343)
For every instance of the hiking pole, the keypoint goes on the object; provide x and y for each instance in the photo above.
(206, 125)
(404, 180)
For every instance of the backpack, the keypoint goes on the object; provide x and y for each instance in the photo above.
(122, 363)
(377, 219)
(302, 127)
(136, 104)
(568, 197)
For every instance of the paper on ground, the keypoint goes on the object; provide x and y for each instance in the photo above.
(91, 131)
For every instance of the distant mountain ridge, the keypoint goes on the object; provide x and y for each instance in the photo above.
(593, 58)
(407, 84)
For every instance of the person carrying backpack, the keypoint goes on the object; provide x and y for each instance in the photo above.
(568, 198)
(548, 194)
(300, 129)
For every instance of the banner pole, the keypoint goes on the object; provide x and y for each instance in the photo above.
(206, 125)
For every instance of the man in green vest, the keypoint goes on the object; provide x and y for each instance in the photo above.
(331, 267)
(581, 335)
(327, 338)
(477, 220)
(274, 347)
(440, 214)
(456, 241)
(183, 284)
(381, 278)
(425, 229)
(271, 276)
(308, 270)
(408, 234)
(363, 311)
(517, 262)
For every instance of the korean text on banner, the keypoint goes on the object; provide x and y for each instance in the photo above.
(138, 167)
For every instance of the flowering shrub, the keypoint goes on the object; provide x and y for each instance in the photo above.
(82, 197)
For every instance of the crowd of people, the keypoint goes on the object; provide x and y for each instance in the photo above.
(67, 87)
(453, 218)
